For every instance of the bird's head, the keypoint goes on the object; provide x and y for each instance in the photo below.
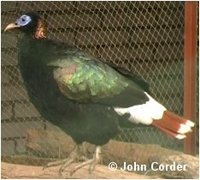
(29, 23)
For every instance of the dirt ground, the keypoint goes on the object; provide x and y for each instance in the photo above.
(28, 172)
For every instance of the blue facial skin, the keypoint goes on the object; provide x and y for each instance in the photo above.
(23, 20)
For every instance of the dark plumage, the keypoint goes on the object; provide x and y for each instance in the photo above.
(44, 62)
(83, 96)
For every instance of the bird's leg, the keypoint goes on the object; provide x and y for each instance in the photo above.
(75, 156)
(92, 162)
(72, 157)
(97, 159)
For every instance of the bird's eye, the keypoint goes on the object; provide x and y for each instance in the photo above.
(23, 20)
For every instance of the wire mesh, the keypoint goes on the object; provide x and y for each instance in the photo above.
(145, 38)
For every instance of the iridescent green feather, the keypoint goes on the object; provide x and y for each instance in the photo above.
(91, 80)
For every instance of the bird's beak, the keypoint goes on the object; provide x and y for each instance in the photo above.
(11, 26)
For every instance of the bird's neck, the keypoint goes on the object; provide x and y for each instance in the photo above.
(40, 31)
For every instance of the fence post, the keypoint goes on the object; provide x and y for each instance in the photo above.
(190, 47)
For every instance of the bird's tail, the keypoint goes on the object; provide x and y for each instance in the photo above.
(173, 125)
(154, 113)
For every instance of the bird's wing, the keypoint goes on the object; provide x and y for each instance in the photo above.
(84, 79)
(134, 77)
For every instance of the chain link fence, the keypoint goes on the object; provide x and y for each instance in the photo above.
(145, 38)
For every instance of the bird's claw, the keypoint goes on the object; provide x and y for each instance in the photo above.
(92, 166)
(74, 156)
(91, 162)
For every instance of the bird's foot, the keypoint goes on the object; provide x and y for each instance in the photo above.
(76, 156)
(73, 157)
(91, 162)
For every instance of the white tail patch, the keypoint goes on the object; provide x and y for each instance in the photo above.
(189, 123)
(180, 136)
(184, 128)
(143, 113)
